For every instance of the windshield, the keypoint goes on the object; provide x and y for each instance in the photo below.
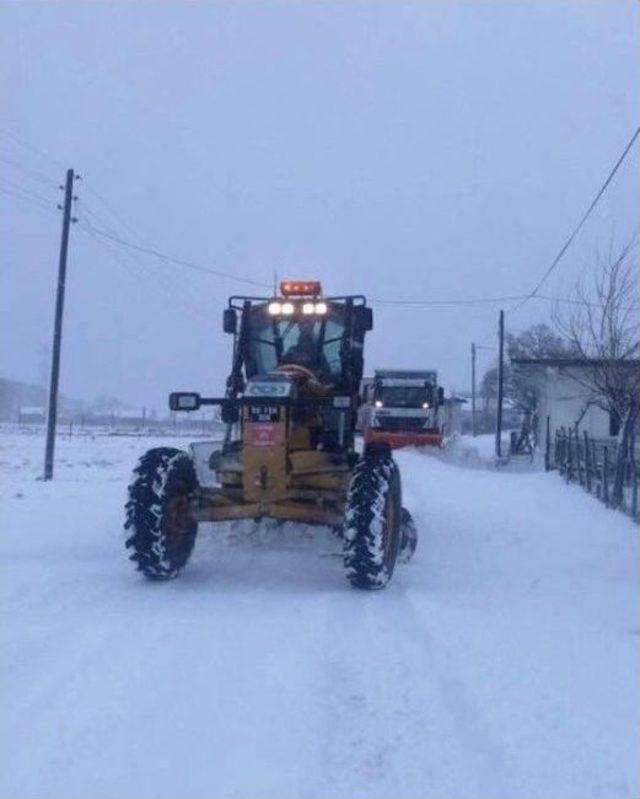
(312, 342)
(403, 397)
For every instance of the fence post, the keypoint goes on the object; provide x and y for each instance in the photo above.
(547, 447)
(558, 454)
(569, 473)
(631, 463)
(561, 439)
(595, 469)
(578, 461)
(605, 476)
(587, 460)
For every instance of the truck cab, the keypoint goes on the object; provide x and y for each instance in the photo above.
(404, 408)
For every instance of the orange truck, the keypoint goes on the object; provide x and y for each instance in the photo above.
(404, 407)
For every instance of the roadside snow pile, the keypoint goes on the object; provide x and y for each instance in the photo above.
(468, 451)
(479, 453)
(501, 662)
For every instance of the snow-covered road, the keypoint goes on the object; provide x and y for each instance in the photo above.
(501, 663)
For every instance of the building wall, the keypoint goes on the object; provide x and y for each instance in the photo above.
(563, 399)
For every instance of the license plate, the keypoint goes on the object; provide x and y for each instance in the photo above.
(264, 413)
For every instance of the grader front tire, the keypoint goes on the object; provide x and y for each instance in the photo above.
(157, 513)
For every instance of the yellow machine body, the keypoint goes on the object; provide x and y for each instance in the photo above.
(277, 474)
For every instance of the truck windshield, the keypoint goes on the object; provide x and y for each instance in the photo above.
(403, 397)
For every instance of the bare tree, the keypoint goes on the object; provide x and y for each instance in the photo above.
(520, 386)
(603, 331)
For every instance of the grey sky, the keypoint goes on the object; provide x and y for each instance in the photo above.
(403, 150)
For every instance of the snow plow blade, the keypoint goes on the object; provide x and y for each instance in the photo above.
(396, 440)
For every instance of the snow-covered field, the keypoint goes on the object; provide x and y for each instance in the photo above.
(502, 663)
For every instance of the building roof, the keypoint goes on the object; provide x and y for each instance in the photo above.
(567, 362)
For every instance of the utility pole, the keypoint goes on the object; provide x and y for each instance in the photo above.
(473, 389)
(500, 387)
(57, 328)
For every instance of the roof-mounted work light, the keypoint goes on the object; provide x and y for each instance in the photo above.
(300, 288)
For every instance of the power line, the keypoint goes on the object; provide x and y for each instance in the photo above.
(107, 234)
(584, 218)
(172, 259)
(159, 278)
(34, 174)
(484, 301)
(34, 203)
(138, 271)
(534, 293)
(88, 215)
(471, 301)
(29, 146)
(110, 208)
(26, 191)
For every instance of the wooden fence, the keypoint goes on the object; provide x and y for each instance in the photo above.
(591, 462)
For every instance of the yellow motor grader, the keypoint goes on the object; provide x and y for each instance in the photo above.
(289, 450)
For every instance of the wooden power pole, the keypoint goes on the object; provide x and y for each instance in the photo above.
(500, 387)
(57, 328)
(473, 389)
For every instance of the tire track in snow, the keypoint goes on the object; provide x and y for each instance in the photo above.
(357, 757)
(400, 721)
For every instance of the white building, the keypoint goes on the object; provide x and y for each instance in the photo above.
(32, 415)
(566, 398)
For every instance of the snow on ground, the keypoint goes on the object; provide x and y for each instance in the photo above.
(483, 445)
(502, 662)
(477, 451)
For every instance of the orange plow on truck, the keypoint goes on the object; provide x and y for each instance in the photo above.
(404, 408)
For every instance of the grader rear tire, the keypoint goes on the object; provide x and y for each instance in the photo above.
(372, 520)
(162, 534)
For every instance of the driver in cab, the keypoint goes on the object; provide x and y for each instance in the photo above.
(304, 353)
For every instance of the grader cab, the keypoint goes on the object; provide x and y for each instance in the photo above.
(289, 450)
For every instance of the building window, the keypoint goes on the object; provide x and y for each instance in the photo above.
(614, 423)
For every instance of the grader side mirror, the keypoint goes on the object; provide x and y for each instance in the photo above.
(440, 395)
(184, 401)
(364, 318)
(229, 320)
